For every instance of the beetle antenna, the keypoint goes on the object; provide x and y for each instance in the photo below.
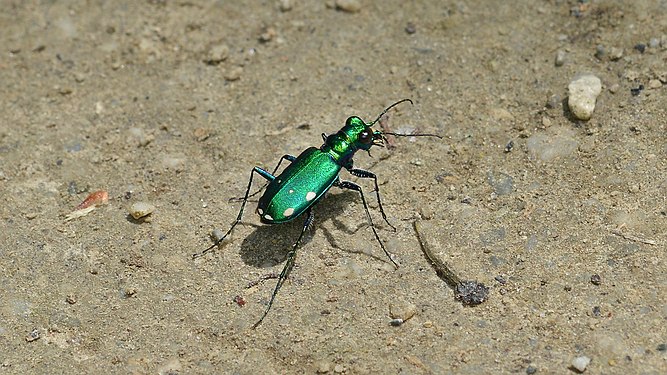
(388, 108)
(412, 135)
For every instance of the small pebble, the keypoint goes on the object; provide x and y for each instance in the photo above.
(583, 93)
(597, 312)
(410, 28)
(596, 279)
(234, 74)
(32, 336)
(350, 6)
(138, 137)
(240, 300)
(662, 76)
(654, 43)
(580, 363)
(600, 51)
(323, 367)
(71, 299)
(471, 293)
(503, 184)
(96, 198)
(560, 58)
(654, 84)
(396, 322)
(285, 5)
(553, 101)
(509, 146)
(268, 34)
(141, 209)
(217, 54)
(202, 134)
(402, 310)
(615, 53)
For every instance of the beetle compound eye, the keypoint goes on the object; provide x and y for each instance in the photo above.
(366, 137)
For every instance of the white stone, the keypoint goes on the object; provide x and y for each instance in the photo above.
(583, 93)
(580, 363)
(141, 209)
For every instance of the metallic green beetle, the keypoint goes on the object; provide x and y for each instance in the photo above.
(308, 177)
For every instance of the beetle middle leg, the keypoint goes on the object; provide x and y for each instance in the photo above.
(352, 186)
(261, 172)
(362, 173)
(287, 157)
(291, 257)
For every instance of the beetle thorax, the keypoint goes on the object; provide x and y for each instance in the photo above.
(353, 136)
(339, 146)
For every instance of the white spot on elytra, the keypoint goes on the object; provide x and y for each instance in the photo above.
(260, 211)
(288, 212)
(291, 191)
(310, 196)
(268, 217)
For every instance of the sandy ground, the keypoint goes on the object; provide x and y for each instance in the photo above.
(173, 102)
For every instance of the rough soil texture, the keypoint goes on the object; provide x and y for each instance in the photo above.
(173, 102)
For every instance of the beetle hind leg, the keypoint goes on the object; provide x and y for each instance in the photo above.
(291, 257)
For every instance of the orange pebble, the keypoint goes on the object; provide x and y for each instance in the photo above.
(96, 198)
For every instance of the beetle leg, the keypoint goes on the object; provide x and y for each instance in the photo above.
(262, 173)
(352, 186)
(362, 173)
(291, 257)
(287, 157)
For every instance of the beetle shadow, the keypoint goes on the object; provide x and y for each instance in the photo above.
(268, 245)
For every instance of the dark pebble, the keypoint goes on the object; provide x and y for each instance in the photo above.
(596, 279)
(637, 91)
(471, 292)
(596, 311)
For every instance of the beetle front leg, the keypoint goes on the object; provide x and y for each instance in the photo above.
(291, 257)
(352, 186)
(262, 173)
(362, 173)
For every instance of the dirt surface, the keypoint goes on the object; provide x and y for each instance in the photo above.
(172, 103)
